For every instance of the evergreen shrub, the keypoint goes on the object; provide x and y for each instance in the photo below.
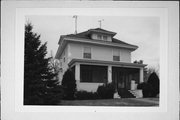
(151, 87)
(84, 95)
(124, 93)
(153, 80)
(69, 85)
(146, 89)
(106, 91)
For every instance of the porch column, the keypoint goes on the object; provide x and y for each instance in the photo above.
(77, 75)
(141, 76)
(109, 74)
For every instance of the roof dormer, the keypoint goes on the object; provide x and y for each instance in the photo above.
(100, 34)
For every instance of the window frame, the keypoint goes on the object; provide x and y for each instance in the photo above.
(116, 57)
(105, 36)
(87, 74)
(99, 36)
(87, 55)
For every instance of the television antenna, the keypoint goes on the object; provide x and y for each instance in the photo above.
(75, 16)
(100, 22)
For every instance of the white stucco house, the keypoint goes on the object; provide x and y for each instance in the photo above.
(96, 57)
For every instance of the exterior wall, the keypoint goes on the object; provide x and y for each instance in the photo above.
(98, 52)
(64, 64)
(101, 53)
(90, 87)
(125, 56)
(75, 50)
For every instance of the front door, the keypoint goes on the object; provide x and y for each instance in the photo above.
(120, 78)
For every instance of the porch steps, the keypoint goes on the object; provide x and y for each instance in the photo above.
(124, 93)
(136, 93)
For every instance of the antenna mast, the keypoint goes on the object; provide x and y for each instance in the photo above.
(100, 22)
(75, 16)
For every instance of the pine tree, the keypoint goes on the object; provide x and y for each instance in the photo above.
(36, 70)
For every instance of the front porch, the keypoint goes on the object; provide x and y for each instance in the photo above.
(89, 74)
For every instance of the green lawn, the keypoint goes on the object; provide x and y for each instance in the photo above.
(112, 102)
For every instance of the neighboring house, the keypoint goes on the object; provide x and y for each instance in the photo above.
(96, 57)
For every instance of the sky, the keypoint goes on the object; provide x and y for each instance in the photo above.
(137, 30)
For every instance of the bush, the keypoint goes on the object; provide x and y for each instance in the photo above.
(124, 93)
(146, 89)
(151, 87)
(106, 91)
(69, 85)
(84, 95)
(153, 80)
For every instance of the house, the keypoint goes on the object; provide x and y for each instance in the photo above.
(96, 57)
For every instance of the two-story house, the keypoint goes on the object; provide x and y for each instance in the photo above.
(96, 57)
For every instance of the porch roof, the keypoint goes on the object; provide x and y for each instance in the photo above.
(106, 63)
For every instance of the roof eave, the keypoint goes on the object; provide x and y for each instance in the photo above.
(131, 47)
(102, 62)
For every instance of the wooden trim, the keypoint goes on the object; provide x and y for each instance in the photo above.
(106, 63)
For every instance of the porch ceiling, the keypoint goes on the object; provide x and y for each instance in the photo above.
(106, 63)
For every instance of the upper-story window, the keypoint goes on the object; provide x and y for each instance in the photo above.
(87, 52)
(116, 55)
(99, 37)
(102, 37)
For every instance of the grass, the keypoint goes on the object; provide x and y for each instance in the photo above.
(111, 102)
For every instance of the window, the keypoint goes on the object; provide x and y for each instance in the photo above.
(93, 74)
(87, 52)
(102, 37)
(116, 55)
(105, 38)
(99, 37)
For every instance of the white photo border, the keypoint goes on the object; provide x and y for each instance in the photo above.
(12, 35)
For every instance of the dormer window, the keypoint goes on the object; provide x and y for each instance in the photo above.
(102, 37)
(99, 37)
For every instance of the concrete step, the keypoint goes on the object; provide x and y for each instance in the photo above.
(136, 93)
(116, 95)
